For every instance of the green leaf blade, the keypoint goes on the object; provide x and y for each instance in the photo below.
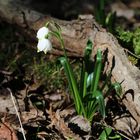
(100, 101)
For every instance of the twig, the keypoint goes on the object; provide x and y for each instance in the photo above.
(136, 56)
(22, 130)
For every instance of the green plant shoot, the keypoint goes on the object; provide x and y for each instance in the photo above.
(86, 93)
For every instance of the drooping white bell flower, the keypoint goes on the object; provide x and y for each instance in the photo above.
(42, 32)
(44, 45)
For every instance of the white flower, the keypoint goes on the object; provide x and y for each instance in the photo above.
(44, 45)
(42, 32)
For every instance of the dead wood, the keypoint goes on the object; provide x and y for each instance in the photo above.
(76, 33)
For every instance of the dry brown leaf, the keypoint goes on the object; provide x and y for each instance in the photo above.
(82, 123)
(54, 96)
(42, 135)
(7, 132)
(34, 114)
(12, 119)
(51, 136)
(61, 125)
(65, 112)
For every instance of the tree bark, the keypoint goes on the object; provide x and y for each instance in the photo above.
(75, 34)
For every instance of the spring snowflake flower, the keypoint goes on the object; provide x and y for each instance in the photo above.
(44, 45)
(42, 32)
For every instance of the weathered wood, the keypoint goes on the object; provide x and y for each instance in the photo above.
(75, 34)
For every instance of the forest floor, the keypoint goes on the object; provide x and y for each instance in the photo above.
(37, 84)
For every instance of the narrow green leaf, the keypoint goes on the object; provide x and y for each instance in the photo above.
(88, 49)
(97, 71)
(87, 55)
(81, 80)
(97, 103)
(102, 4)
(89, 98)
(100, 100)
(85, 84)
(110, 21)
(96, 77)
(63, 62)
(92, 110)
(89, 79)
(73, 86)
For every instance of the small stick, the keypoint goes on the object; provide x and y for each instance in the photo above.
(22, 130)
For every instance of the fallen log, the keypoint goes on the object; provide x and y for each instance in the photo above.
(75, 34)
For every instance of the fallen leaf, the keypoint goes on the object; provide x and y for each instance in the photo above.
(81, 122)
(7, 132)
(61, 125)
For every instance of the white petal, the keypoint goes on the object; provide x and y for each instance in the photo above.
(44, 45)
(42, 32)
